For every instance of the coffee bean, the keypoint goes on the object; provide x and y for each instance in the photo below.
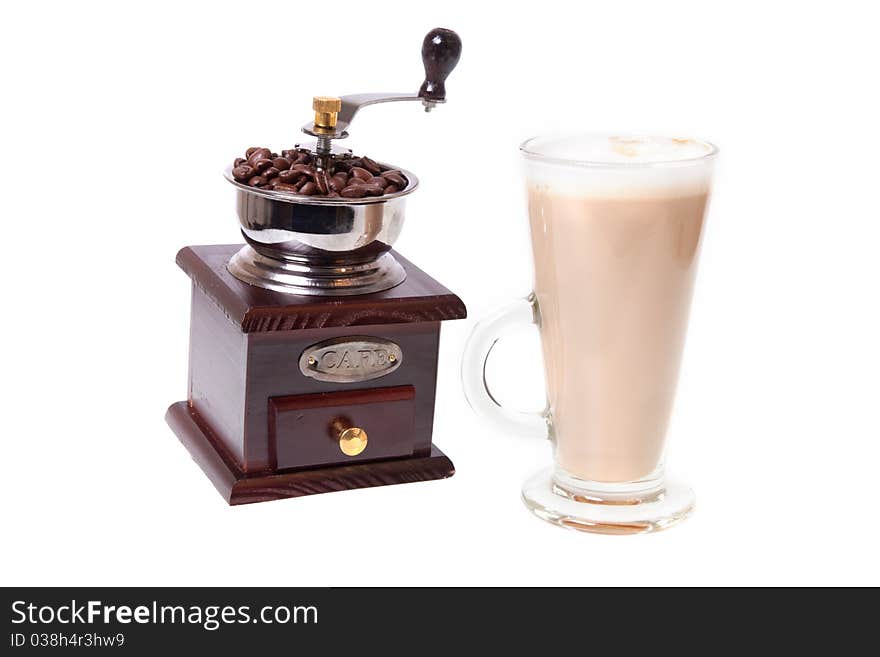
(353, 191)
(338, 182)
(373, 190)
(262, 164)
(395, 178)
(371, 166)
(361, 174)
(259, 154)
(243, 172)
(322, 182)
(296, 170)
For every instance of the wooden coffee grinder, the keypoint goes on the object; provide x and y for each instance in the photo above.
(313, 347)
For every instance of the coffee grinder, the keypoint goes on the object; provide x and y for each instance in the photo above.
(313, 347)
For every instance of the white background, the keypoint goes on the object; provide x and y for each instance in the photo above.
(117, 119)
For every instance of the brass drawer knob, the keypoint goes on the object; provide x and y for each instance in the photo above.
(353, 441)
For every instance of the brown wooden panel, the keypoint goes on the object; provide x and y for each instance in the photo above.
(418, 299)
(273, 371)
(301, 432)
(204, 447)
(245, 345)
(217, 373)
(434, 465)
(239, 488)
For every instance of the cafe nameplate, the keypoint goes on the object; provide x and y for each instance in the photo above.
(350, 359)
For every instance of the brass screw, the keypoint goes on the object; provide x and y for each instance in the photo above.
(326, 108)
(312, 360)
(353, 441)
(392, 358)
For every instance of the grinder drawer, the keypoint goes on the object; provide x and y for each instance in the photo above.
(341, 427)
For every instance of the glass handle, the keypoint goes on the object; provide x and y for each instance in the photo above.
(486, 334)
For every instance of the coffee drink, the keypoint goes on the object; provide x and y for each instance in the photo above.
(614, 268)
(616, 225)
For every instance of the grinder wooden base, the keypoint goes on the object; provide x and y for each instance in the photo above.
(264, 423)
(239, 488)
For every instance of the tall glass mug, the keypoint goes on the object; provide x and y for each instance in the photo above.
(616, 224)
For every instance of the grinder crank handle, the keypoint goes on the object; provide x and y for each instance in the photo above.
(441, 50)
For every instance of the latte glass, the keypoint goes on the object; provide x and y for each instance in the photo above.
(616, 225)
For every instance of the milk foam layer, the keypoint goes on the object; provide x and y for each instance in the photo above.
(611, 166)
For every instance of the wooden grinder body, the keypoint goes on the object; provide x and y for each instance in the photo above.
(261, 429)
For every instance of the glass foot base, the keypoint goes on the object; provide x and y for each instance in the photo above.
(608, 509)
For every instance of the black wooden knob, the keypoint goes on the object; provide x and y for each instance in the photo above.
(440, 52)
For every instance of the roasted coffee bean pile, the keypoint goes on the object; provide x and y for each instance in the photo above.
(295, 171)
